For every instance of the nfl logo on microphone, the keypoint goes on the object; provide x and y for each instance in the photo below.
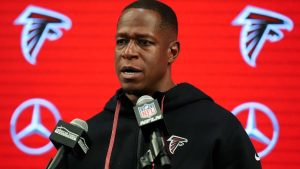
(147, 110)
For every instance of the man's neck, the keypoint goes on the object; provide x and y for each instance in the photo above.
(134, 97)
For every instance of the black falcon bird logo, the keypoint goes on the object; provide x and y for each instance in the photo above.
(259, 25)
(40, 24)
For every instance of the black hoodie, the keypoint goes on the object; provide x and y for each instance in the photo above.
(202, 135)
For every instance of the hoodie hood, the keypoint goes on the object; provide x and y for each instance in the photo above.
(180, 95)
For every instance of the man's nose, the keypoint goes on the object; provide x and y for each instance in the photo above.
(130, 51)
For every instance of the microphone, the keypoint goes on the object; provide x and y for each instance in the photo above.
(150, 120)
(69, 138)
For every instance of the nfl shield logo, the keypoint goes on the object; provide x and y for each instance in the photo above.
(147, 110)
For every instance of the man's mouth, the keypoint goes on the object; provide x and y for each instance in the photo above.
(130, 70)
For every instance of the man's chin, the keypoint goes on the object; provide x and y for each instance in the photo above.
(131, 90)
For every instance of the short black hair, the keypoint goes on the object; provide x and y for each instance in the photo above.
(168, 16)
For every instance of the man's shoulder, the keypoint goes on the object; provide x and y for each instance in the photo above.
(210, 110)
(198, 108)
(106, 113)
(203, 104)
(100, 118)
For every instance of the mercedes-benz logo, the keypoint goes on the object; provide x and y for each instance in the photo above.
(35, 126)
(252, 129)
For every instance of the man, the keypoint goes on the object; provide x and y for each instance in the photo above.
(203, 135)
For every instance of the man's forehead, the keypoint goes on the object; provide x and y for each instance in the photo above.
(139, 16)
(135, 11)
(142, 22)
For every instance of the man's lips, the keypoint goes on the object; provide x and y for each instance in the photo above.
(130, 69)
(130, 72)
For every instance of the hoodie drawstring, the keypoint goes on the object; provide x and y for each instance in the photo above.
(162, 104)
(113, 135)
(114, 130)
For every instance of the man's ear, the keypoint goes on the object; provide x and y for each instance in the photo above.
(173, 51)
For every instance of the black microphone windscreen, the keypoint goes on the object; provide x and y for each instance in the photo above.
(73, 136)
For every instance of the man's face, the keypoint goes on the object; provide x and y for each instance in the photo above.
(141, 52)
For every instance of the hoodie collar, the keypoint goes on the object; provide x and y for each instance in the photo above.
(178, 96)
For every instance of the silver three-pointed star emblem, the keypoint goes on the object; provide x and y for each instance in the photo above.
(35, 126)
(252, 128)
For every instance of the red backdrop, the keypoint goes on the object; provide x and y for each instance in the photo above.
(75, 73)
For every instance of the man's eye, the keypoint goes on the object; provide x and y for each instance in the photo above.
(121, 42)
(144, 42)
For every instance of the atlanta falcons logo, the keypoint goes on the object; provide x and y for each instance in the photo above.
(176, 141)
(259, 25)
(39, 24)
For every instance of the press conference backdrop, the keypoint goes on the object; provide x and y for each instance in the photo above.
(57, 63)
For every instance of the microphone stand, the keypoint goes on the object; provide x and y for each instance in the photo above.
(56, 162)
(156, 153)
